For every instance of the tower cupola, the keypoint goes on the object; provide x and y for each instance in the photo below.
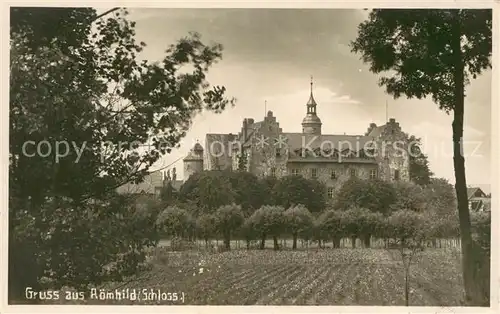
(311, 124)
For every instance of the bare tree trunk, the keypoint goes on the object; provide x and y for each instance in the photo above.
(367, 240)
(468, 269)
(263, 242)
(275, 242)
(294, 245)
(353, 242)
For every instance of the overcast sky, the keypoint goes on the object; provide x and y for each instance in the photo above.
(271, 54)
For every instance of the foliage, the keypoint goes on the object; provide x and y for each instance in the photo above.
(416, 45)
(441, 197)
(409, 196)
(330, 225)
(227, 219)
(84, 232)
(175, 222)
(248, 189)
(268, 221)
(270, 184)
(420, 172)
(168, 194)
(408, 227)
(360, 222)
(481, 227)
(408, 230)
(433, 53)
(77, 79)
(208, 190)
(375, 195)
(298, 222)
(205, 226)
(294, 190)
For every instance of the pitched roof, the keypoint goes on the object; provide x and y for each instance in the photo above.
(472, 191)
(147, 186)
(337, 141)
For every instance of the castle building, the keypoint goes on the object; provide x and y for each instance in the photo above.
(265, 150)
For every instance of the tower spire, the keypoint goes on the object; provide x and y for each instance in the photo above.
(311, 85)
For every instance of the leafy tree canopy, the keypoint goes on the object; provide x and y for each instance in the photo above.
(77, 80)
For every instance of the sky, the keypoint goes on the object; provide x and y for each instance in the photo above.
(271, 54)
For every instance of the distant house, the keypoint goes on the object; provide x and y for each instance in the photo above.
(478, 200)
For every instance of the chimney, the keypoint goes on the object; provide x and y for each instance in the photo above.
(250, 121)
(392, 120)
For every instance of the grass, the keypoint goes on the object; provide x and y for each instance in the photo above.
(305, 277)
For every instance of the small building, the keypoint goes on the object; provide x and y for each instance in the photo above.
(478, 200)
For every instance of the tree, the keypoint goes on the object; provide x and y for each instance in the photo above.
(212, 189)
(227, 219)
(270, 184)
(408, 232)
(331, 226)
(76, 83)
(433, 53)
(440, 197)
(420, 172)
(268, 221)
(168, 194)
(298, 221)
(409, 196)
(375, 195)
(248, 189)
(295, 190)
(209, 190)
(175, 222)
(360, 223)
(205, 227)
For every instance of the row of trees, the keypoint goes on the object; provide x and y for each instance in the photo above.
(228, 223)
(206, 191)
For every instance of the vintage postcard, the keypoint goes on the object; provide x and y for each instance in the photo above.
(278, 155)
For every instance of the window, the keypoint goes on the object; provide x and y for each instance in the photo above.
(396, 175)
(278, 153)
(295, 172)
(330, 192)
(314, 173)
(273, 172)
(333, 175)
(373, 174)
(352, 172)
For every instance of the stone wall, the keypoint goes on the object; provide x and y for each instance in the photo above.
(324, 171)
(392, 152)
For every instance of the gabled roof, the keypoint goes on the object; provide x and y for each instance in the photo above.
(472, 191)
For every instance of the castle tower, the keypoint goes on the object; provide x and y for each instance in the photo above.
(193, 162)
(311, 124)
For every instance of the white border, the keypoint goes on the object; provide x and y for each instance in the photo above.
(4, 138)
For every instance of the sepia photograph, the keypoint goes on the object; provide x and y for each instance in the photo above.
(250, 156)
